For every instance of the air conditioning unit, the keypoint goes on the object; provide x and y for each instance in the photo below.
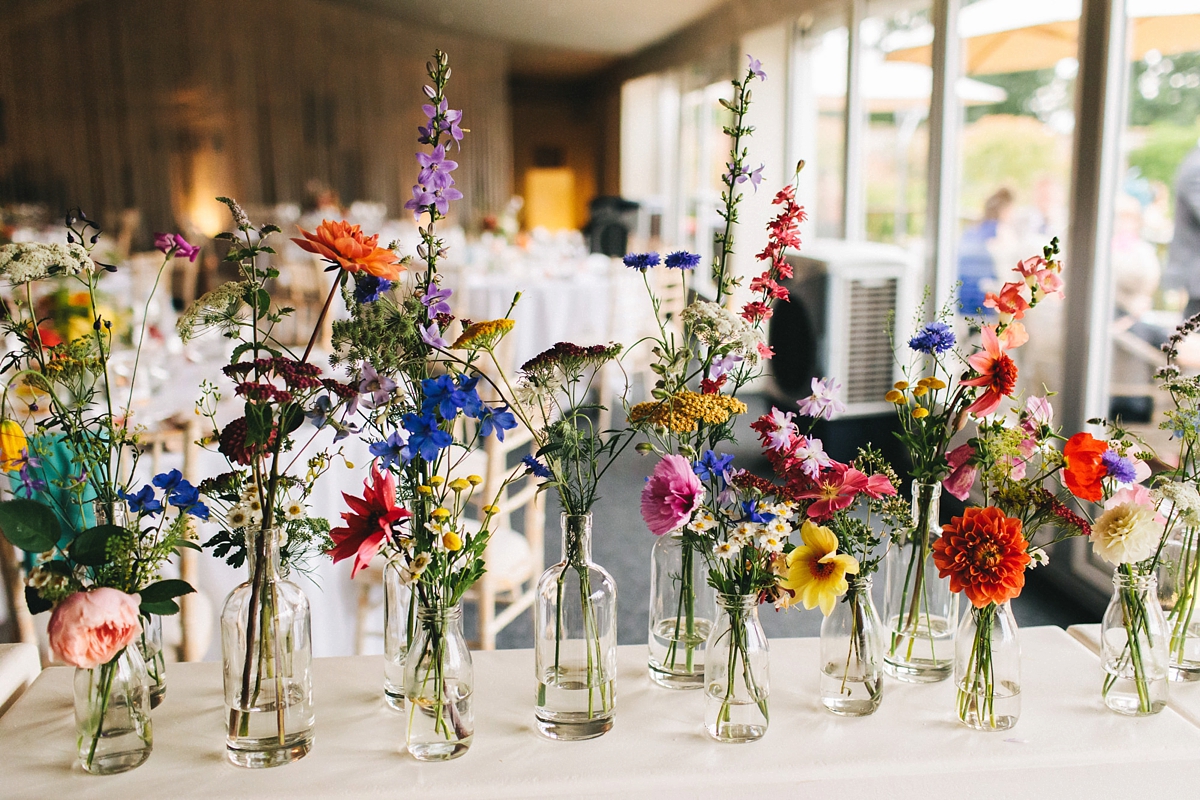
(850, 301)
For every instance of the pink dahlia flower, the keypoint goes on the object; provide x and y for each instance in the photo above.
(671, 496)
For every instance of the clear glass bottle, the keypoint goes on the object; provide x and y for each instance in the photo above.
(575, 636)
(399, 618)
(266, 646)
(852, 653)
(439, 681)
(1178, 586)
(736, 672)
(112, 714)
(151, 646)
(920, 610)
(1134, 646)
(987, 668)
(680, 604)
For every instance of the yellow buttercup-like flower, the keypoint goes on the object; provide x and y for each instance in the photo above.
(901, 385)
(920, 391)
(933, 383)
(474, 480)
(491, 509)
(459, 485)
(12, 445)
(440, 513)
(452, 541)
(436, 480)
(920, 412)
(815, 571)
(895, 396)
(423, 489)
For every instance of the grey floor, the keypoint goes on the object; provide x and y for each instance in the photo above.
(621, 544)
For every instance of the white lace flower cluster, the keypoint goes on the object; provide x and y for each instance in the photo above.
(719, 328)
(770, 537)
(1183, 497)
(31, 261)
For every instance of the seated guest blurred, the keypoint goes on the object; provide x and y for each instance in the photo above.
(1183, 257)
(320, 203)
(976, 264)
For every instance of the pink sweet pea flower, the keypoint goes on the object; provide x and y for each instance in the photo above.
(671, 495)
(962, 472)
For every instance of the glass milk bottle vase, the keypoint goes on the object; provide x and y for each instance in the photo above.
(439, 681)
(987, 668)
(1134, 640)
(920, 610)
(399, 619)
(575, 633)
(736, 676)
(680, 602)
(1178, 585)
(112, 714)
(852, 653)
(151, 646)
(266, 646)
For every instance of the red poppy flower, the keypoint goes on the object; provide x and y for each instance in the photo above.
(1085, 468)
(347, 246)
(997, 375)
(984, 554)
(368, 522)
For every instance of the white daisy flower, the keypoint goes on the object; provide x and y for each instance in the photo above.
(419, 563)
(744, 533)
(779, 527)
(703, 521)
(725, 550)
(237, 517)
(770, 543)
(293, 510)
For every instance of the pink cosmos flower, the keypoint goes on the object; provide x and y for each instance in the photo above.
(90, 628)
(836, 489)
(823, 402)
(1038, 412)
(811, 455)
(962, 473)
(671, 496)
(784, 429)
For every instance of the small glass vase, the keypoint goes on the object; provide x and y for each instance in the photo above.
(1134, 641)
(679, 597)
(1178, 586)
(112, 714)
(852, 653)
(399, 619)
(151, 646)
(736, 672)
(920, 610)
(575, 636)
(266, 647)
(439, 681)
(987, 668)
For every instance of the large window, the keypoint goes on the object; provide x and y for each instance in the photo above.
(821, 96)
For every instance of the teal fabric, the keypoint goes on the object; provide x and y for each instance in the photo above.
(57, 462)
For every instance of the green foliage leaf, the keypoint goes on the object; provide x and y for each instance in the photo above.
(164, 608)
(165, 590)
(34, 601)
(258, 424)
(90, 548)
(29, 525)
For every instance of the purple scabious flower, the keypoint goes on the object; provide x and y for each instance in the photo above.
(1118, 467)
(933, 339)
(368, 287)
(681, 259)
(641, 261)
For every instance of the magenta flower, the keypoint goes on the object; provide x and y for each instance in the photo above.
(185, 250)
(164, 242)
(823, 402)
(671, 495)
(962, 471)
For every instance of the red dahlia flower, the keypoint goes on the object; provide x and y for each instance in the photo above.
(984, 553)
(369, 521)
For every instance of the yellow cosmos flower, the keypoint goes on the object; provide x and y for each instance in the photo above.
(459, 485)
(920, 412)
(452, 541)
(815, 571)
(12, 444)
(894, 397)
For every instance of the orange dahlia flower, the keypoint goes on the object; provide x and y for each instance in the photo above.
(984, 554)
(997, 375)
(347, 246)
(1085, 469)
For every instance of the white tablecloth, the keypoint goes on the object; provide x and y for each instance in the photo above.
(1066, 745)
(19, 667)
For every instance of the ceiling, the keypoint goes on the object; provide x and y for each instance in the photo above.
(569, 38)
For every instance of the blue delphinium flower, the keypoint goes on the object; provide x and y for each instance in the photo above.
(368, 287)
(752, 514)
(535, 467)
(933, 339)
(681, 259)
(167, 481)
(390, 450)
(425, 438)
(641, 261)
(439, 396)
(712, 465)
(466, 397)
(1118, 467)
(143, 502)
(319, 415)
(497, 419)
(186, 498)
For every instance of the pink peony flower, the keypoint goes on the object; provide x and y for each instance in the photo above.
(962, 473)
(671, 495)
(90, 628)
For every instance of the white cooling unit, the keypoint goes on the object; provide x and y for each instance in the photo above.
(845, 299)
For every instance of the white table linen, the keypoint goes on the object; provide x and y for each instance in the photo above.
(1066, 744)
(19, 667)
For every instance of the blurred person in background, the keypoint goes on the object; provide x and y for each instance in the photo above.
(976, 252)
(1183, 256)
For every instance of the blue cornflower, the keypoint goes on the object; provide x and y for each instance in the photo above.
(712, 465)
(143, 502)
(368, 287)
(536, 468)
(1118, 467)
(681, 259)
(390, 450)
(167, 481)
(751, 513)
(496, 419)
(641, 261)
(425, 438)
(933, 339)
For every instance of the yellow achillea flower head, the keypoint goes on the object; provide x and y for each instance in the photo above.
(683, 411)
(815, 571)
(482, 335)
